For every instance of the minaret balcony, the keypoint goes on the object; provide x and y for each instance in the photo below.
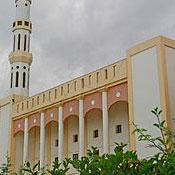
(26, 0)
(22, 24)
(20, 56)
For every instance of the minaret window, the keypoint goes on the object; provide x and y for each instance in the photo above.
(24, 79)
(25, 42)
(28, 81)
(19, 41)
(14, 43)
(26, 5)
(19, 23)
(17, 79)
(26, 23)
(28, 43)
(11, 80)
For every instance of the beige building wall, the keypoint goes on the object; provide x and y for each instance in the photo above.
(19, 150)
(5, 131)
(170, 63)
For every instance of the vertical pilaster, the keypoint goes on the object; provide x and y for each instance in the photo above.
(105, 123)
(42, 139)
(26, 139)
(81, 129)
(60, 134)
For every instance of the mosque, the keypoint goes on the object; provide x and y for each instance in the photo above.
(97, 109)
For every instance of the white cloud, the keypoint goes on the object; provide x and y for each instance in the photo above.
(72, 37)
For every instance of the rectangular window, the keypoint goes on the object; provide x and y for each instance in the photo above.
(75, 138)
(56, 143)
(26, 23)
(118, 129)
(75, 156)
(95, 134)
(19, 23)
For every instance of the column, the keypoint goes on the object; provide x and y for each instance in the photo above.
(42, 140)
(81, 129)
(60, 134)
(26, 138)
(105, 123)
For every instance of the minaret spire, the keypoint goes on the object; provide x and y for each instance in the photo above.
(20, 58)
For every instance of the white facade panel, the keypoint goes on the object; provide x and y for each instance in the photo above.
(4, 131)
(146, 95)
(170, 63)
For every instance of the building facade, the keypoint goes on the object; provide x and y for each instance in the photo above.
(97, 109)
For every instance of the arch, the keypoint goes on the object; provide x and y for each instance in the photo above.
(94, 129)
(19, 143)
(19, 41)
(51, 142)
(118, 124)
(34, 145)
(70, 108)
(71, 133)
(24, 80)
(17, 79)
(92, 101)
(117, 93)
(25, 42)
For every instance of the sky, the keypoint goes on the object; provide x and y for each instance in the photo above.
(74, 37)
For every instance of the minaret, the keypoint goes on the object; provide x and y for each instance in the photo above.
(20, 58)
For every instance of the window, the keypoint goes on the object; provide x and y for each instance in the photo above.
(114, 70)
(68, 86)
(61, 90)
(19, 41)
(56, 143)
(118, 129)
(28, 43)
(97, 77)
(19, 23)
(38, 100)
(11, 80)
(26, 4)
(82, 82)
(14, 24)
(24, 80)
(26, 23)
(75, 157)
(17, 79)
(95, 134)
(75, 85)
(75, 138)
(25, 42)
(89, 80)
(28, 80)
(55, 93)
(17, 67)
(106, 74)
